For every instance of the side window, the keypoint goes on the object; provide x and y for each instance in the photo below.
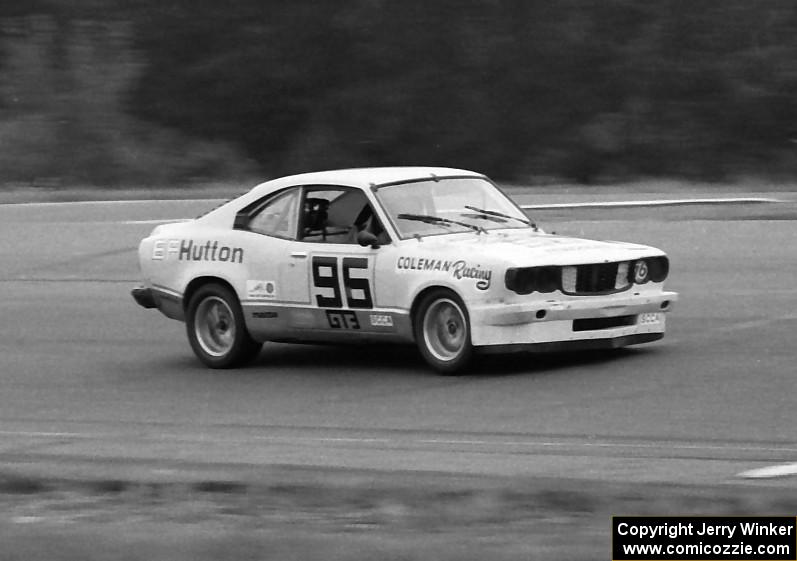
(334, 215)
(278, 216)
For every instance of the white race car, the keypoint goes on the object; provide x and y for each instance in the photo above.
(436, 256)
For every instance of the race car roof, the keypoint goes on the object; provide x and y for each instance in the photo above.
(356, 177)
(363, 177)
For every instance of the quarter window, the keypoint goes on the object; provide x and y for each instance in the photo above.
(278, 216)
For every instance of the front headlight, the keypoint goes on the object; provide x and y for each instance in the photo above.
(525, 280)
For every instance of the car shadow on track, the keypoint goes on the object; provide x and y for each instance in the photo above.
(547, 363)
(339, 356)
(398, 359)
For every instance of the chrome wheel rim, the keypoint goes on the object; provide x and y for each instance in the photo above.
(214, 326)
(445, 330)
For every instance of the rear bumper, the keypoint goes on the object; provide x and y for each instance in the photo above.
(169, 303)
(144, 297)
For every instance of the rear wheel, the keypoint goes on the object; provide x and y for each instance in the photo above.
(216, 328)
(442, 332)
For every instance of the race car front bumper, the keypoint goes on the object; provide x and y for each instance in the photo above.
(607, 321)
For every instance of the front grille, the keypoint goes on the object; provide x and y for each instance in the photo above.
(594, 324)
(599, 278)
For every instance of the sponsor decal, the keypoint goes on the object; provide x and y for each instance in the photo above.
(650, 318)
(265, 315)
(463, 271)
(421, 264)
(162, 248)
(459, 269)
(381, 320)
(188, 250)
(261, 289)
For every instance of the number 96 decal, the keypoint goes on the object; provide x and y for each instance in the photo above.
(329, 285)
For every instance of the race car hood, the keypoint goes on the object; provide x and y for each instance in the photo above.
(528, 248)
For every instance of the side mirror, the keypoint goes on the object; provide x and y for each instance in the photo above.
(366, 238)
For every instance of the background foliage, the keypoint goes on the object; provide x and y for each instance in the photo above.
(114, 92)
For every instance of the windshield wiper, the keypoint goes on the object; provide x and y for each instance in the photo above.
(429, 219)
(497, 214)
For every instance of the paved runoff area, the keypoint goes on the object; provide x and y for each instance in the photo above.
(97, 389)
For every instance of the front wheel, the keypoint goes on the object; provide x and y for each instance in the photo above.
(442, 332)
(216, 328)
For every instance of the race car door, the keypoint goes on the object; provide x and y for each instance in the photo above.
(310, 279)
(277, 271)
(341, 272)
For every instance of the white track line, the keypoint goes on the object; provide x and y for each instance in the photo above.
(444, 441)
(654, 202)
(770, 472)
(160, 221)
(120, 202)
(47, 434)
(619, 204)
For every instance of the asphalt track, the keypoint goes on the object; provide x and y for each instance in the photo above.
(88, 380)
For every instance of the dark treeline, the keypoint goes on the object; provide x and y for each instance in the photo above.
(586, 90)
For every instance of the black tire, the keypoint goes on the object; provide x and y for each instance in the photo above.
(442, 332)
(216, 328)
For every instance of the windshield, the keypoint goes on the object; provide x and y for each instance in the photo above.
(449, 205)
